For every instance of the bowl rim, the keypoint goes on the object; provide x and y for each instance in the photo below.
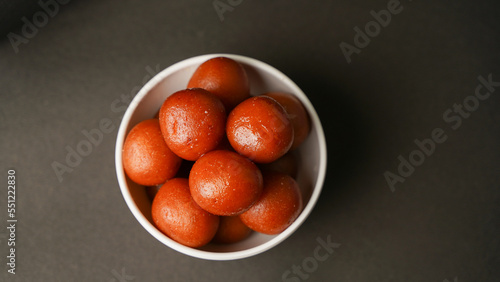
(203, 254)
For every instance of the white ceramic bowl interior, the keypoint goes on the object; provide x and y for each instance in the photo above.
(312, 153)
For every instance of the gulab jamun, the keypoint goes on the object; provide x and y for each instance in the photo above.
(231, 230)
(225, 78)
(177, 215)
(147, 160)
(297, 115)
(259, 129)
(278, 206)
(192, 122)
(225, 183)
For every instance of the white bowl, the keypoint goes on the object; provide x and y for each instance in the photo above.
(263, 78)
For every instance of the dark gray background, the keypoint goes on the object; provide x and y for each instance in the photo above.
(441, 223)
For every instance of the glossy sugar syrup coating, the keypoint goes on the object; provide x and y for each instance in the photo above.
(192, 122)
(259, 129)
(177, 215)
(225, 78)
(278, 206)
(147, 160)
(225, 183)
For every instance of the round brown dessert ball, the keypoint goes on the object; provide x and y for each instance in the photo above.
(225, 183)
(192, 122)
(297, 115)
(278, 206)
(147, 160)
(223, 77)
(231, 230)
(259, 129)
(176, 214)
